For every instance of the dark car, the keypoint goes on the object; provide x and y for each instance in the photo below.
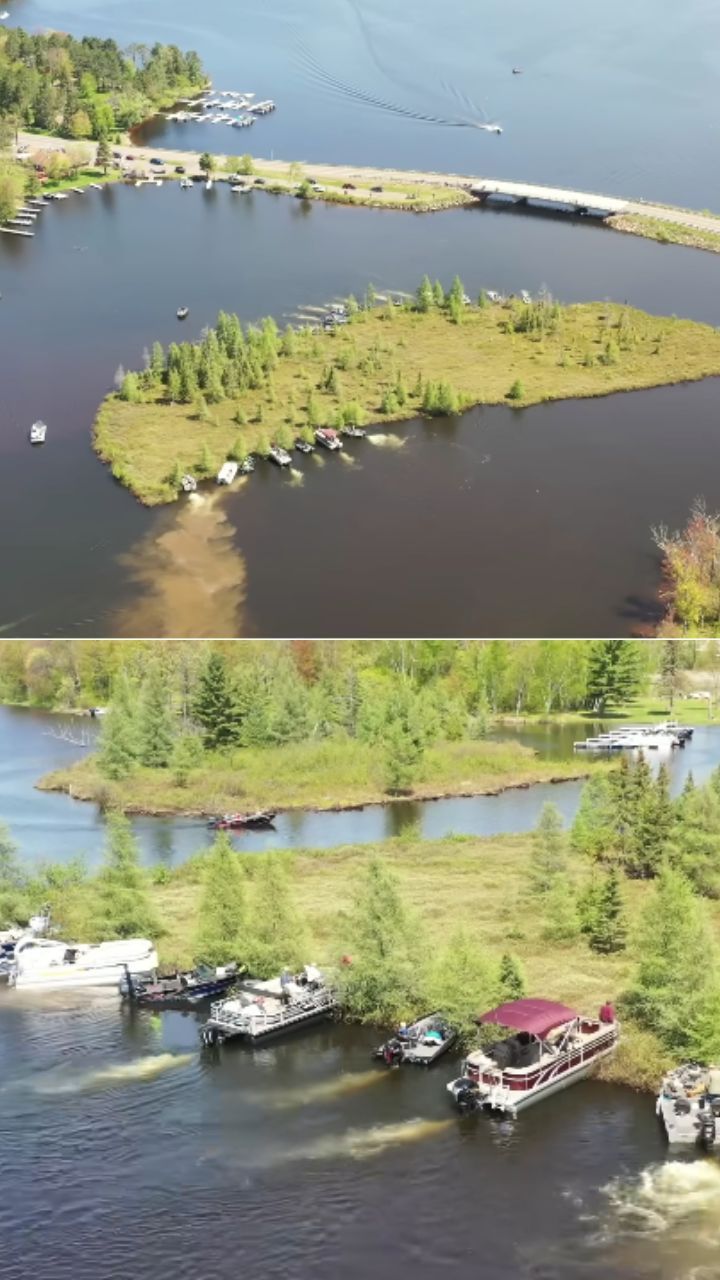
(179, 168)
(349, 186)
(117, 155)
(259, 182)
(155, 160)
(376, 190)
(129, 156)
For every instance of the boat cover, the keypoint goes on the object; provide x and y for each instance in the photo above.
(539, 1017)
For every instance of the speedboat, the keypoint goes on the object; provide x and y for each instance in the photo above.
(304, 446)
(188, 484)
(423, 1042)
(328, 438)
(687, 1114)
(38, 432)
(227, 473)
(180, 990)
(45, 963)
(228, 821)
(279, 456)
(182, 312)
(551, 1047)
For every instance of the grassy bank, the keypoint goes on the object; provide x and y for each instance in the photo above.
(649, 709)
(593, 349)
(638, 224)
(485, 892)
(310, 775)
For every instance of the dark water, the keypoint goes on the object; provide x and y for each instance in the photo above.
(517, 523)
(304, 1160)
(51, 826)
(628, 105)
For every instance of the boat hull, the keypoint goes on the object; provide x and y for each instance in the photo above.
(66, 976)
(513, 1104)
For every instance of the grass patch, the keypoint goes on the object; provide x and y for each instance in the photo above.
(311, 775)
(81, 179)
(667, 232)
(595, 349)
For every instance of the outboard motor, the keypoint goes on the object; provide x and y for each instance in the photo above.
(466, 1096)
(211, 1036)
(708, 1129)
(392, 1053)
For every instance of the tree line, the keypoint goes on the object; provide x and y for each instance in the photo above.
(87, 88)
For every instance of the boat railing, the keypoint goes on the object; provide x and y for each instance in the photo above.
(294, 1012)
(578, 1052)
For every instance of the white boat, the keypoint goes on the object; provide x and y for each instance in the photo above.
(227, 473)
(688, 1115)
(44, 963)
(261, 1010)
(4, 15)
(279, 456)
(552, 1047)
(188, 484)
(420, 1043)
(328, 438)
(38, 432)
(208, 185)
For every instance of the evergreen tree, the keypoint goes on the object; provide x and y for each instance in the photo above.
(383, 981)
(119, 737)
(548, 860)
(186, 756)
(156, 721)
(613, 673)
(103, 157)
(694, 846)
(277, 934)
(14, 903)
(215, 708)
(462, 982)
(511, 978)
(560, 910)
(672, 674)
(403, 749)
(222, 918)
(607, 932)
(123, 908)
(438, 294)
(594, 828)
(424, 295)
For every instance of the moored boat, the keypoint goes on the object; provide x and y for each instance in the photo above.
(183, 312)
(47, 964)
(188, 484)
(422, 1042)
(688, 1108)
(279, 456)
(356, 433)
(551, 1047)
(259, 1011)
(38, 432)
(227, 473)
(328, 438)
(247, 465)
(227, 821)
(304, 446)
(180, 990)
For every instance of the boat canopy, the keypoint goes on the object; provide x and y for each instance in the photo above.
(539, 1017)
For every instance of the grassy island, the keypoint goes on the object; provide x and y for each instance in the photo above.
(238, 391)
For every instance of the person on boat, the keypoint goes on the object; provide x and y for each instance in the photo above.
(607, 1012)
(712, 1084)
(403, 1031)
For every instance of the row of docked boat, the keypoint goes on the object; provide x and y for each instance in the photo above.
(639, 737)
(326, 437)
(220, 107)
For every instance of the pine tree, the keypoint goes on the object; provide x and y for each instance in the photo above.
(672, 675)
(424, 295)
(382, 982)
(462, 982)
(186, 756)
(123, 908)
(156, 721)
(594, 828)
(511, 978)
(119, 737)
(549, 854)
(607, 931)
(560, 910)
(613, 673)
(277, 935)
(403, 749)
(438, 294)
(215, 708)
(222, 918)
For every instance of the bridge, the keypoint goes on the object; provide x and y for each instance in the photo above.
(557, 197)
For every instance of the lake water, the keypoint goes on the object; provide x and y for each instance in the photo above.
(52, 827)
(306, 1159)
(533, 522)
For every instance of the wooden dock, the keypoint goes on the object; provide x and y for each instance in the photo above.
(14, 231)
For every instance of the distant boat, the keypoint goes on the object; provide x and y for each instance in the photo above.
(4, 15)
(208, 185)
(227, 473)
(279, 455)
(38, 432)
(517, 71)
(183, 312)
(188, 484)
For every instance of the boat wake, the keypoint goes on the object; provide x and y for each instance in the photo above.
(387, 440)
(679, 1198)
(360, 1144)
(325, 1090)
(295, 477)
(147, 1068)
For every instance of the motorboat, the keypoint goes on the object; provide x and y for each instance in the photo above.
(328, 438)
(48, 964)
(279, 456)
(260, 1011)
(357, 433)
(227, 473)
(422, 1042)
(38, 432)
(188, 484)
(180, 990)
(304, 446)
(229, 821)
(183, 312)
(551, 1046)
(689, 1116)
(247, 465)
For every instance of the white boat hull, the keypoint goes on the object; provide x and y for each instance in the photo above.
(92, 969)
(512, 1102)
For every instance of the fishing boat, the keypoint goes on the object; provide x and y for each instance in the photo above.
(688, 1113)
(356, 433)
(180, 990)
(279, 456)
(247, 465)
(188, 484)
(229, 821)
(38, 432)
(45, 963)
(260, 1011)
(328, 438)
(304, 446)
(422, 1042)
(551, 1047)
(227, 473)
(183, 312)
(185, 184)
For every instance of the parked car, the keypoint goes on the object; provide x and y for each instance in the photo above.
(259, 182)
(155, 160)
(376, 190)
(179, 168)
(117, 155)
(349, 186)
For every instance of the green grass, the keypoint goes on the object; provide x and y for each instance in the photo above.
(479, 357)
(646, 709)
(667, 232)
(479, 884)
(317, 775)
(82, 179)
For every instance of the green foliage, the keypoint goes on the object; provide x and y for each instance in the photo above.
(215, 708)
(123, 908)
(383, 983)
(222, 920)
(120, 735)
(156, 721)
(130, 388)
(207, 163)
(277, 933)
(517, 391)
(462, 982)
(604, 921)
(594, 828)
(549, 855)
(560, 911)
(403, 743)
(186, 756)
(613, 674)
(424, 296)
(512, 984)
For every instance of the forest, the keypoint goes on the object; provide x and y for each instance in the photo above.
(88, 88)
